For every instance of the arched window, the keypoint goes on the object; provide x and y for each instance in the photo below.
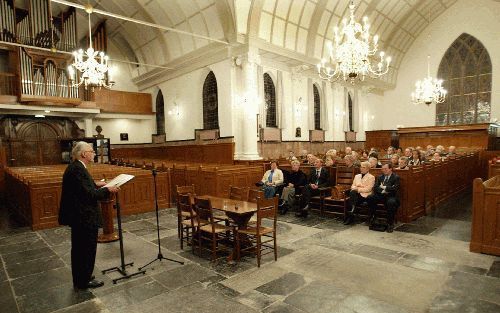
(349, 99)
(210, 103)
(466, 72)
(270, 98)
(160, 114)
(317, 108)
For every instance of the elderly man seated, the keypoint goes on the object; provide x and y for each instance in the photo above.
(271, 180)
(385, 191)
(295, 180)
(452, 151)
(361, 188)
(394, 160)
(320, 177)
(390, 152)
(403, 163)
(374, 163)
(350, 161)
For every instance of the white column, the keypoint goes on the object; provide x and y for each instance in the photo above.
(247, 110)
(88, 127)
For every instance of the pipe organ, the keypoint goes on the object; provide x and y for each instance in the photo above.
(44, 77)
(37, 75)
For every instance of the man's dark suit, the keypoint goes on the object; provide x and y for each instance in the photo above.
(322, 181)
(80, 210)
(389, 197)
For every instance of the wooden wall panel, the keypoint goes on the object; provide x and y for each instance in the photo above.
(381, 139)
(115, 101)
(475, 136)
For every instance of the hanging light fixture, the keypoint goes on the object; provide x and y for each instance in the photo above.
(92, 64)
(349, 58)
(429, 89)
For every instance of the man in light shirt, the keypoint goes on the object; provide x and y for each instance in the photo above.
(271, 180)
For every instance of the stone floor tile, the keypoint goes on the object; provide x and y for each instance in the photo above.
(183, 276)
(318, 296)
(7, 299)
(56, 236)
(494, 270)
(281, 307)
(284, 285)
(53, 299)
(365, 304)
(133, 294)
(28, 255)
(484, 287)
(91, 306)
(41, 281)
(416, 229)
(256, 300)
(22, 246)
(19, 238)
(34, 266)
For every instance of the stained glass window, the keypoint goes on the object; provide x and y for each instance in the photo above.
(466, 73)
(210, 103)
(317, 108)
(270, 101)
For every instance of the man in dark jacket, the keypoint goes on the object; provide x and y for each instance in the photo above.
(385, 191)
(319, 178)
(294, 182)
(80, 210)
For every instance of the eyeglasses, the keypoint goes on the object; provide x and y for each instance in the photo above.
(91, 151)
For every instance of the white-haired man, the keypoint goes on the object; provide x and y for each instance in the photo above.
(80, 210)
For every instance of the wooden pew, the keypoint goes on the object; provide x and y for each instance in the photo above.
(486, 216)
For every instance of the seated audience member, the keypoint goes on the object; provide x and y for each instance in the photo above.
(291, 156)
(364, 154)
(373, 152)
(303, 157)
(436, 157)
(319, 177)
(385, 191)
(390, 152)
(430, 151)
(403, 163)
(395, 160)
(348, 150)
(399, 151)
(416, 158)
(374, 163)
(272, 179)
(350, 161)
(329, 161)
(310, 159)
(452, 151)
(362, 187)
(408, 152)
(419, 148)
(333, 154)
(294, 180)
(440, 150)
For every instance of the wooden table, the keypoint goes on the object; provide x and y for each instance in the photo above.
(239, 211)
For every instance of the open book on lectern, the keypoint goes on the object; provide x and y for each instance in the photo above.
(119, 180)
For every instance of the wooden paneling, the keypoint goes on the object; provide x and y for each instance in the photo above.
(475, 136)
(123, 102)
(486, 216)
(3, 165)
(381, 139)
(219, 153)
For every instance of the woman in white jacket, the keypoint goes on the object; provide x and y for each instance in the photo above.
(272, 179)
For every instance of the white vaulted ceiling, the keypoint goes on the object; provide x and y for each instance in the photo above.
(301, 26)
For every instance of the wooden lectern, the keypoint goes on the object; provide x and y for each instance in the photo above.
(108, 213)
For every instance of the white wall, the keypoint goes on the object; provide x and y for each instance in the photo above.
(121, 73)
(479, 18)
(186, 91)
(139, 131)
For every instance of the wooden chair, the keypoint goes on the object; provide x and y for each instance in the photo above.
(210, 230)
(253, 194)
(337, 202)
(182, 190)
(238, 193)
(258, 237)
(189, 226)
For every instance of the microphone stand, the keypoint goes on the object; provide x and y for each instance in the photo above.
(122, 268)
(160, 256)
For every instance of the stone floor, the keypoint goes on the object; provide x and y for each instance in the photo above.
(323, 266)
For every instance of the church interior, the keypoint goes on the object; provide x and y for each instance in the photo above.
(285, 155)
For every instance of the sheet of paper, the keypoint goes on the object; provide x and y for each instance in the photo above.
(119, 180)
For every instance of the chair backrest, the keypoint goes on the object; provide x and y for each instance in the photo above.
(266, 209)
(184, 204)
(238, 193)
(185, 198)
(253, 194)
(179, 190)
(203, 210)
(345, 175)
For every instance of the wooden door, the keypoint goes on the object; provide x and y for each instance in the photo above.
(37, 144)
